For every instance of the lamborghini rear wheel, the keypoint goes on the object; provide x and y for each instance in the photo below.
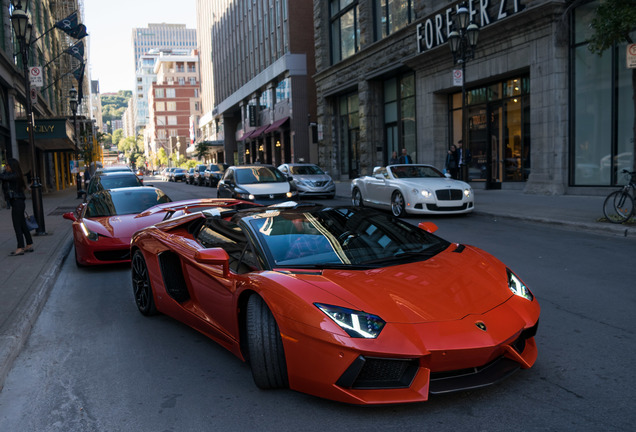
(141, 285)
(265, 346)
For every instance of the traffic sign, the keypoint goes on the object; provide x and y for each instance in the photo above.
(35, 76)
(631, 56)
(34, 96)
(458, 77)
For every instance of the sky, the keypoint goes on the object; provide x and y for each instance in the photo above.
(109, 24)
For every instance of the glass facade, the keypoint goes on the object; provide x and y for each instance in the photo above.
(602, 141)
(345, 30)
(498, 117)
(349, 131)
(399, 116)
(391, 16)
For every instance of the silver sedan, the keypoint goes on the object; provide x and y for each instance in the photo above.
(309, 179)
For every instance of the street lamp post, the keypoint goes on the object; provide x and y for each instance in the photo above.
(22, 28)
(73, 103)
(463, 43)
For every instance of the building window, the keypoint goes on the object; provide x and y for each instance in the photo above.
(399, 116)
(159, 93)
(349, 135)
(283, 90)
(172, 120)
(391, 16)
(181, 81)
(172, 133)
(160, 106)
(161, 134)
(171, 106)
(601, 143)
(161, 120)
(193, 81)
(345, 30)
(170, 93)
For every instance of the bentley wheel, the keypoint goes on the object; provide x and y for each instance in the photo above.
(397, 204)
(265, 346)
(141, 285)
(356, 198)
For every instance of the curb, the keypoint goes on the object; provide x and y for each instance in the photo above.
(38, 293)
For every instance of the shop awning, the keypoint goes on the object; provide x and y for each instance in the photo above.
(49, 134)
(276, 125)
(258, 132)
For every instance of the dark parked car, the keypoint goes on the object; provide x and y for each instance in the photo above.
(190, 176)
(213, 173)
(179, 174)
(112, 180)
(199, 174)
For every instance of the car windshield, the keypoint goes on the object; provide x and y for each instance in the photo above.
(119, 202)
(415, 171)
(120, 181)
(341, 237)
(306, 170)
(258, 175)
(179, 170)
(215, 168)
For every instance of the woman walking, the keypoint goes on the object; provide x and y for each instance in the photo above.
(15, 180)
(452, 162)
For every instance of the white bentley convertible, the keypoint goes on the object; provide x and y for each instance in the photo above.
(413, 189)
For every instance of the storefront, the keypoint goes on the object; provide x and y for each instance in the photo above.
(542, 113)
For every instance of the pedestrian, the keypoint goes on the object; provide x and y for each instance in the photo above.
(394, 158)
(16, 186)
(87, 177)
(405, 158)
(463, 159)
(452, 162)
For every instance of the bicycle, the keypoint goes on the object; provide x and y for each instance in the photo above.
(619, 205)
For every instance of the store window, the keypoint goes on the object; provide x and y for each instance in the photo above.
(498, 117)
(349, 135)
(391, 16)
(345, 29)
(283, 90)
(399, 116)
(601, 143)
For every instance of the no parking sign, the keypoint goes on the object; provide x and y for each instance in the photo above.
(458, 77)
(631, 56)
(35, 76)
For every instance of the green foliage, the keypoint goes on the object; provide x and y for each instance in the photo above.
(190, 163)
(113, 106)
(117, 136)
(201, 150)
(613, 22)
(162, 157)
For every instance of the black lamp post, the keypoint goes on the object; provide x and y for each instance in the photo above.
(463, 43)
(72, 101)
(22, 28)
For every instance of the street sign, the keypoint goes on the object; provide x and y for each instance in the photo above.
(35, 76)
(631, 56)
(458, 77)
(34, 96)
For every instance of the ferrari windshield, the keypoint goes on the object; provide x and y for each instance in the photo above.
(124, 201)
(415, 171)
(336, 237)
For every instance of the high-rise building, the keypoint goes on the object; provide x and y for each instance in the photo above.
(148, 43)
(262, 63)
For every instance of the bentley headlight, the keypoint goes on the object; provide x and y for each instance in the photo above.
(88, 233)
(468, 192)
(518, 287)
(357, 324)
(427, 193)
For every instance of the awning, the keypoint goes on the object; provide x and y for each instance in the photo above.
(245, 136)
(49, 134)
(276, 125)
(257, 132)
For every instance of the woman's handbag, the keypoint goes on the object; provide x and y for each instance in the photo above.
(30, 221)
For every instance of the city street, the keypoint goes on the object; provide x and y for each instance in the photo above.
(94, 363)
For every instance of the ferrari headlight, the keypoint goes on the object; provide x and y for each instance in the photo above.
(468, 192)
(88, 233)
(357, 324)
(518, 287)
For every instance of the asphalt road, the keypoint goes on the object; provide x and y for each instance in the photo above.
(93, 363)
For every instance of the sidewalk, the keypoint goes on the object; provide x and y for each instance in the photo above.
(25, 281)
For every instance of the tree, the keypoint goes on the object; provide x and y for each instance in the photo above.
(117, 136)
(614, 21)
(162, 157)
(201, 150)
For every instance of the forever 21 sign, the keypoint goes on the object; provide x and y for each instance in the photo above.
(435, 29)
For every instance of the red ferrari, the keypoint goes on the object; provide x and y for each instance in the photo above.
(103, 226)
(347, 304)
